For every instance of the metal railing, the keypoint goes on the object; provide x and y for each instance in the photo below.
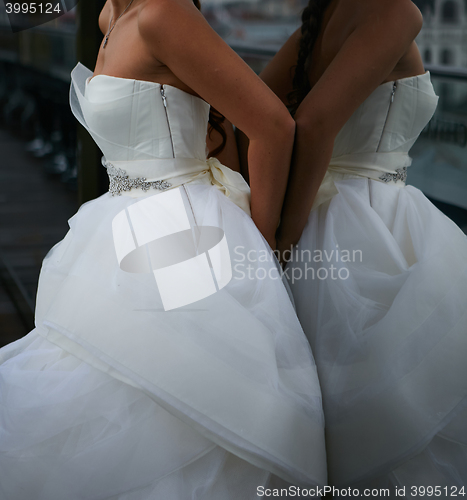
(454, 72)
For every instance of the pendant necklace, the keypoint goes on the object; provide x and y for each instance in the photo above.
(106, 39)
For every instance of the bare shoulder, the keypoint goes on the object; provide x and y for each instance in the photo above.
(162, 16)
(401, 15)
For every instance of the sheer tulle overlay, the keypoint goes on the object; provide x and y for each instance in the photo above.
(100, 438)
(114, 397)
(387, 326)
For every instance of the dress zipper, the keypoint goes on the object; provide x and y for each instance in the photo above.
(164, 102)
(393, 93)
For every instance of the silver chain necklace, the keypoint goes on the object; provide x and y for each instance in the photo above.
(106, 39)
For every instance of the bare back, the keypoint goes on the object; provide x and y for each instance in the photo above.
(361, 45)
(343, 21)
(340, 20)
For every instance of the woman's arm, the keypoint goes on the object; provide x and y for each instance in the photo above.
(179, 37)
(384, 32)
(278, 76)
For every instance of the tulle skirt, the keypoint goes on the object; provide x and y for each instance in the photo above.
(71, 432)
(112, 397)
(380, 285)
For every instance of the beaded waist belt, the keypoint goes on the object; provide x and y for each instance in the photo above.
(126, 176)
(137, 177)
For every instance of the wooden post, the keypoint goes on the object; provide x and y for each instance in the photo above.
(92, 178)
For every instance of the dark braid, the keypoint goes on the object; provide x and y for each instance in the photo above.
(216, 119)
(312, 18)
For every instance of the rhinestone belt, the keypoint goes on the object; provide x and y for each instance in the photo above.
(120, 181)
(400, 175)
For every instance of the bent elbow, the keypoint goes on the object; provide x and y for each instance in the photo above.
(278, 128)
(283, 127)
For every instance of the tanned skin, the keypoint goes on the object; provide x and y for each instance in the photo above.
(362, 44)
(170, 42)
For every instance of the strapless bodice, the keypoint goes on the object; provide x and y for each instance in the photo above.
(153, 136)
(376, 140)
(139, 120)
(390, 119)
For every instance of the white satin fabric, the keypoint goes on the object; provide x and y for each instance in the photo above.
(179, 171)
(390, 332)
(111, 397)
(377, 138)
(139, 134)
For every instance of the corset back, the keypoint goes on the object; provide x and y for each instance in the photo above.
(375, 142)
(153, 136)
(138, 120)
(390, 119)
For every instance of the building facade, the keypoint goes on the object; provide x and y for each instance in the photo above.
(443, 38)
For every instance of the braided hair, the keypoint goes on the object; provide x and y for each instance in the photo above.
(312, 18)
(216, 119)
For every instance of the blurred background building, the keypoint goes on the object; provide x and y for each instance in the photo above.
(49, 165)
(440, 155)
(443, 39)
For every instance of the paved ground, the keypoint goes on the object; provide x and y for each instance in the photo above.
(34, 210)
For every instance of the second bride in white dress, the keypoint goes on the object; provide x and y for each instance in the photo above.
(379, 274)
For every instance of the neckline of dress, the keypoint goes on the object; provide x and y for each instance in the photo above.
(161, 85)
(426, 74)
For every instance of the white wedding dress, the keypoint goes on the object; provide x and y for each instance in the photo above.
(120, 394)
(387, 326)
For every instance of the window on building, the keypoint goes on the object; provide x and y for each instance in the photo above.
(427, 58)
(450, 12)
(447, 58)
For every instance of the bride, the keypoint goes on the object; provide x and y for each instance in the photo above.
(156, 369)
(379, 275)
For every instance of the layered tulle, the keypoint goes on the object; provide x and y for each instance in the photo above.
(125, 391)
(388, 328)
(230, 377)
(68, 430)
